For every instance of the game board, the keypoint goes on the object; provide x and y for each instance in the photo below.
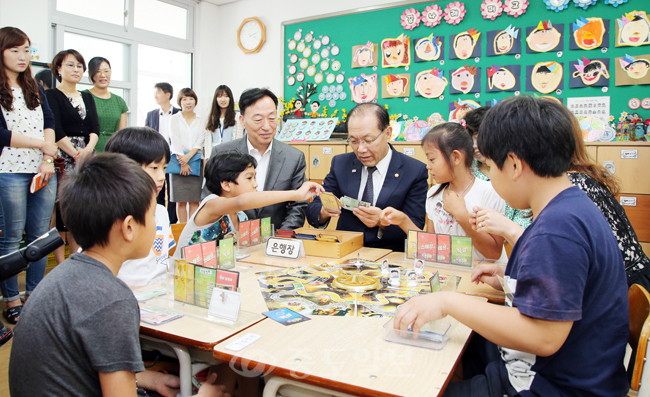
(308, 291)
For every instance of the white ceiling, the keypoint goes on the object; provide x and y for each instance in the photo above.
(221, 2)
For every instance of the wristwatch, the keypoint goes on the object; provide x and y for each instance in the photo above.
(49, 161)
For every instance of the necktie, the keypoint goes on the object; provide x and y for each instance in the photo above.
(368, 193)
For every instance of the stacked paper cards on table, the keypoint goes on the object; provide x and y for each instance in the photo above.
(156, 316)
(194, 284)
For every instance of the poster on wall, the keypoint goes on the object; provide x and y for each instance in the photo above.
(465, 79)
(430, 83)
(465, 45)
(319, 129)
(395, 52)
(459, 107)
(504, 42)
(503, 78)
(365, 55)
(544, 77)
(428, 48)
(589, 106)
(396, 85)
(633, 29)
(632, 70)
(544, 37)
(589, 34)
(364, 88)
(589, 72)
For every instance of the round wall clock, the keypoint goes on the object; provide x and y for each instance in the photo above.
(251, 35)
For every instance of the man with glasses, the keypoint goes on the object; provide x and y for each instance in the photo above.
(377, 174)
(279, 166)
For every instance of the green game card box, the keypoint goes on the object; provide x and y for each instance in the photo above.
(204, 282)
(461, 251)
(265, 229)
(226, 254)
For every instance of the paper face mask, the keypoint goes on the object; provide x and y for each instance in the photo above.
(395, 52)
(463, 78)
(396, 85)
(546, 76)
(635, 68)
(634, 29)
(501, 78)
(364, 55)
(465, 42)
(505, 39)
(588, 33)
(430, 83)
(428, 48)
(590, 71)
(544, 37)
(363, 88)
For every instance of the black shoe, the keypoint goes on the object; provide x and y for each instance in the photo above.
(5, 334)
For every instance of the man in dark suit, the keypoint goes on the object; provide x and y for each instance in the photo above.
(279, 166)
(375, 173)
(158, 119)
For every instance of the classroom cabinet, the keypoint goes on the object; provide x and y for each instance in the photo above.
(305, 150)
(320, 158)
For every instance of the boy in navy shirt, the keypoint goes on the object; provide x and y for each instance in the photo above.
(565, 325)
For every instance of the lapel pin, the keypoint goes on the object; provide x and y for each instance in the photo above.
(354, 170)
(396, 175)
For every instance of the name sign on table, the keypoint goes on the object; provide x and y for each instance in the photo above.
(284, 248)
(225, 304)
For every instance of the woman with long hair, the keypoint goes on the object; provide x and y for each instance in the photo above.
(222, 121)
(27, 149)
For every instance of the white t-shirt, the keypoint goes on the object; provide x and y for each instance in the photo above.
(185, 137)
(25, 122)
(152, 269)
(481, 194)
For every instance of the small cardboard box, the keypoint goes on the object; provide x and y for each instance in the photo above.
(348, 243)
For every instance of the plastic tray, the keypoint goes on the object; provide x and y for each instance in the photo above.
(433, 335)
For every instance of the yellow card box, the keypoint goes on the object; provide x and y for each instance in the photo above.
(348, 243)
(184, 281)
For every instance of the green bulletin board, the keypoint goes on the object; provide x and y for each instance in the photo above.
(346, 31)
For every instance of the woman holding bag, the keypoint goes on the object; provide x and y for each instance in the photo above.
(187, 136)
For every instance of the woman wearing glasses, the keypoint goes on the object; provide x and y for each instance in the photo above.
(75, 116)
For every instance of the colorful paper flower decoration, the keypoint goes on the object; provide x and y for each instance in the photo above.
(491, 9)
(455, 12)
(410, 19)
(515, 8)
(557, 5)
(615, 3)
(432, 15)
(584, 4)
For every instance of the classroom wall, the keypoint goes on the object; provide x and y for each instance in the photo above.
(31, 16)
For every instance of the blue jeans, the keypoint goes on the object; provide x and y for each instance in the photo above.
(21, 211)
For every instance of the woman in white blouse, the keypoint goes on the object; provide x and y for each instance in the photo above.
(187, 136)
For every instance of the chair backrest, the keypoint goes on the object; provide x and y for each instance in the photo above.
(177, 229)
(639, 329)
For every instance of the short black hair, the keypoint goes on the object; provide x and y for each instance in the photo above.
(474, 118)
(189, 93)
(316, 102)
(93, 67)
(143, 145)
(226, 167)
(57, 62)
(45, 77)
(166, 88)
(383, 119)
(538, 131)
(252, 95)
(104, 189)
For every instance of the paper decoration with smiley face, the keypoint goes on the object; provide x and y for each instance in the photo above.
(589, 34)
(364, 88)
(396, 85)
(503, 78)
(544, 77)
(395, 52)
(632, 70)
(502, 42)
(544, 37)
(365, 55)
(633, 29)
(465, 79)
(428, 48)
(465, 45)
(589, 72)
(430, 83)
(458, 108)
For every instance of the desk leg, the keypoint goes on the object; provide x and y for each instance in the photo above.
(274, 383)
(185, 363)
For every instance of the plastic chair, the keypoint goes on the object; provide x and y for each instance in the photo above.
(177, 229)
(639, 300)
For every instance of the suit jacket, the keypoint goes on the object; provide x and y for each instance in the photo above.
(286, 172)
(153, 118)
(405, 188)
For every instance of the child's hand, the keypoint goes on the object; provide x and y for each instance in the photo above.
(167, 385)
(391, 216)
(454, 203)
(211, 389)
(487, 273)
(308, 190)
(421, 310)
(487, 220)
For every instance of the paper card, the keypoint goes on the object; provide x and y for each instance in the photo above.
(427, 246)
(465, 45)
(597, 106)
(204, 283)
(461, 251)
(255, 231)
(428, 48)
(284, 248)
(193, 254)
(396, 85)
(545, 77)
(242, 342)
(589, 33)
(184, 281)
(225, 304)
(244, 234)
(504, 42)
(633, 29)
(330, 202)
(444, 248)
(286, 316)
(412, 244)
(365, 55)
(632, 70)
(228, 277)
(226, 253)
(544, 37)
(209, 251)
(429, 83)
(395, 52)
(503, 78)
(143, 296)
(434, 282)
(266, 231)
(589, 72)
(157, 316)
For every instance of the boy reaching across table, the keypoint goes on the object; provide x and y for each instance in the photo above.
(564, 329)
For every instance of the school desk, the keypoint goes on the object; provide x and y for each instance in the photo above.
(257, 256)
(347, 355)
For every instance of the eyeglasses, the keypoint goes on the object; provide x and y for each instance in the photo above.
(366, 142)
(70, 65)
